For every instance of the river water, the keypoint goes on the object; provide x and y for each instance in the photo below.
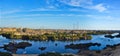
(60, 47)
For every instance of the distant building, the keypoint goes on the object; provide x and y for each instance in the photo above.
(8, 29)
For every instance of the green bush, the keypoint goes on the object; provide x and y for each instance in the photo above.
(5, 54)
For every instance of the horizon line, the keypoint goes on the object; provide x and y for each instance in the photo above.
(65, 29)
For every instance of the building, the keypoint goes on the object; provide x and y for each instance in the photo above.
(8, 29)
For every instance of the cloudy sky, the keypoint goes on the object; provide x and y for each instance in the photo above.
(61, 14)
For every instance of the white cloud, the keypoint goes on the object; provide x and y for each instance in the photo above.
(99, 7)
(39, 9)
(88, 4)
(103, 17)
(10, 12)
(77, 3)
(44, 9)
(39, 15)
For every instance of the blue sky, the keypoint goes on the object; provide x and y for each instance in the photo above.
(61, 14)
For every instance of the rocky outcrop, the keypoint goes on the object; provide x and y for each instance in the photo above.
(12, 47)
(42, 48)
(108, 51)
(81, 46)
(5, 54)
(109, 36)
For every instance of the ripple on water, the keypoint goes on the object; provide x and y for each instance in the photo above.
(60, 47)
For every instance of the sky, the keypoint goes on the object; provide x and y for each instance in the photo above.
(61, 14)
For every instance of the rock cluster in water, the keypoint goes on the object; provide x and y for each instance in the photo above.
(110, 36)
(42, 48)
(110, 50)
(12, 47)
(81, 46)
(5, 54)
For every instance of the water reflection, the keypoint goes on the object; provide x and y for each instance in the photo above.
(59, 46)
(13, 46)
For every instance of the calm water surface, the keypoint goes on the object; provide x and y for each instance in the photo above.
(51, 47)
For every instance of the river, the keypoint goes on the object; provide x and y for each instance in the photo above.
(59, 46)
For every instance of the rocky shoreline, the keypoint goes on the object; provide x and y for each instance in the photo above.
(13, 46)
(109, 51)
(66, 35)
(50, 34)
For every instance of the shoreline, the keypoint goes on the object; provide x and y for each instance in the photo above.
(106, 52)
(33, 34)
(30, 34)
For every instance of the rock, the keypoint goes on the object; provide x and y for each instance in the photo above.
(81, 46)
(12, 47)
(5, 54)
(42, 48)
(23, 45)
(56, 44)
(110, 50)
(109, 36)
(117, 35)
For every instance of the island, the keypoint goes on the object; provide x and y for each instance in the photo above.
(52, 35)
(45, 34)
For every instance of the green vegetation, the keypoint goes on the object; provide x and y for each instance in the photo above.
(0, 33)
(8, 34)
(47, 36)
(99, 32)
(5, 54)
(39, 34)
